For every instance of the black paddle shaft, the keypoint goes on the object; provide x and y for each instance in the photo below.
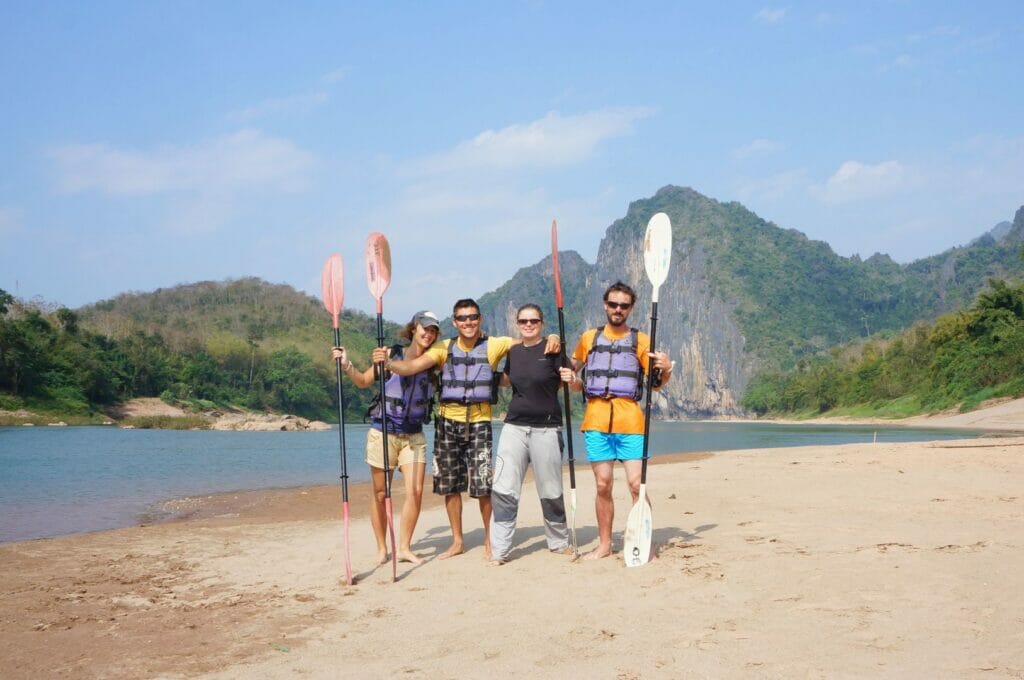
(383, 408)
(650, 388)
(565, 395)
(341, 422)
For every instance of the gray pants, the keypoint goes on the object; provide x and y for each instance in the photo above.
(519, 447)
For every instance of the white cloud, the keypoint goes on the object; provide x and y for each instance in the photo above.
(758, 147)
(771, 15)
(242, 160)
(299, 103)
(854, 181)
(934, 32)
(337, 75)
(551, 141)
(901, 62)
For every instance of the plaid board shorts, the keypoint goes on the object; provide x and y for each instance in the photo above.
(462, 463)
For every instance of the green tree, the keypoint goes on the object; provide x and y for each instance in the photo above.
(294, 385)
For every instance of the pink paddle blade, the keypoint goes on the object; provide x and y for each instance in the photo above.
(378, 265)
(554, 263)
(332, 286)
(348, 559)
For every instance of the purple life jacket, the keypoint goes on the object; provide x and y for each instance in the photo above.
(466, 376)
(408, 400)
(613, 368)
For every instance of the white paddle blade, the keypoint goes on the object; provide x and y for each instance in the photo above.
(332, 285)
(636, 549)
(378, 264)
(657, 250)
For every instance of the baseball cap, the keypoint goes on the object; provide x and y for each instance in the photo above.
(426, 319)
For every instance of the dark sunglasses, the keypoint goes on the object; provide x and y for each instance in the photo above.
(618, 305)
(525, 322)
(467, 317)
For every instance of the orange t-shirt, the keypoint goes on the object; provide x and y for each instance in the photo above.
(618, 414)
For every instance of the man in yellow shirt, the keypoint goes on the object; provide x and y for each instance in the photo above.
(616, 358)
(462, 429)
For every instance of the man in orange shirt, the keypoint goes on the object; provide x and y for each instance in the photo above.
(616, 359)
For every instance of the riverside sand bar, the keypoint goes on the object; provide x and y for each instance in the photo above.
(884, 560)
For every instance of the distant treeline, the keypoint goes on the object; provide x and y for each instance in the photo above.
(961, 358)
(51, 362)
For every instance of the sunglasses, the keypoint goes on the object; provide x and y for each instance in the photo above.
(528, 322)
(618, 305)
(467, 317)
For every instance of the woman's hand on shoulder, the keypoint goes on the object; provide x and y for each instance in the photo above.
(553, 345)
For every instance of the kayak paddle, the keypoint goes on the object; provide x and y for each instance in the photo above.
(378, 276)
(332, 289)
(657, 253)
(568, 409)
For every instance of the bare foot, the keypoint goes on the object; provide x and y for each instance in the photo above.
(487, 552)
(382, 557)
(496, 563)
(597, 553)
(455, 549)
(409, 556)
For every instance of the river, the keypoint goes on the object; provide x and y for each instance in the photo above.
(64, 480)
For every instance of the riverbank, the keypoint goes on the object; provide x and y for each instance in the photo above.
(860, 560)
(150, 412)
(1002, 415)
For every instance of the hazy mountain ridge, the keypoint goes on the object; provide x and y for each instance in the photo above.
(742, 294)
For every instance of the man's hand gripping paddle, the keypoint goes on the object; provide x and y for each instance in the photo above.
(657, 253)
(568, 409)
(378, 276)
(332, 289)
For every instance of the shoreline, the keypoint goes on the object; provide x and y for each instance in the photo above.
(234, 420)
(323, 501)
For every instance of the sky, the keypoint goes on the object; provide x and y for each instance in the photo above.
(149, 144)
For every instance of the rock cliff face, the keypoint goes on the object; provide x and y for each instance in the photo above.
(743, 294)
(696, 325)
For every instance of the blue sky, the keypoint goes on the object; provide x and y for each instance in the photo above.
(147, 144)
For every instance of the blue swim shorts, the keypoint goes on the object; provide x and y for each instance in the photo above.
(602, 446)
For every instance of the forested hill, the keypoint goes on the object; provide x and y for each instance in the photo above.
(244, 343)
(745, 295)
(250, 309)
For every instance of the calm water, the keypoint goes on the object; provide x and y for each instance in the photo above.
(56, 481)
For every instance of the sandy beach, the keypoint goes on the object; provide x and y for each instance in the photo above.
(866, 560)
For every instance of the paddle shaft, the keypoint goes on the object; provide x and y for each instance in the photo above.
(383, 405)
(650, 388)
(341, 421)
(557, 276)
(566, 402)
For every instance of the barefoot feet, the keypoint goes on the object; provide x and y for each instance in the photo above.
(452, 551)
(407, 555)
(597, 553)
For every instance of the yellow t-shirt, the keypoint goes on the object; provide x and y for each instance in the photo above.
(618, 414)
(497, 347)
